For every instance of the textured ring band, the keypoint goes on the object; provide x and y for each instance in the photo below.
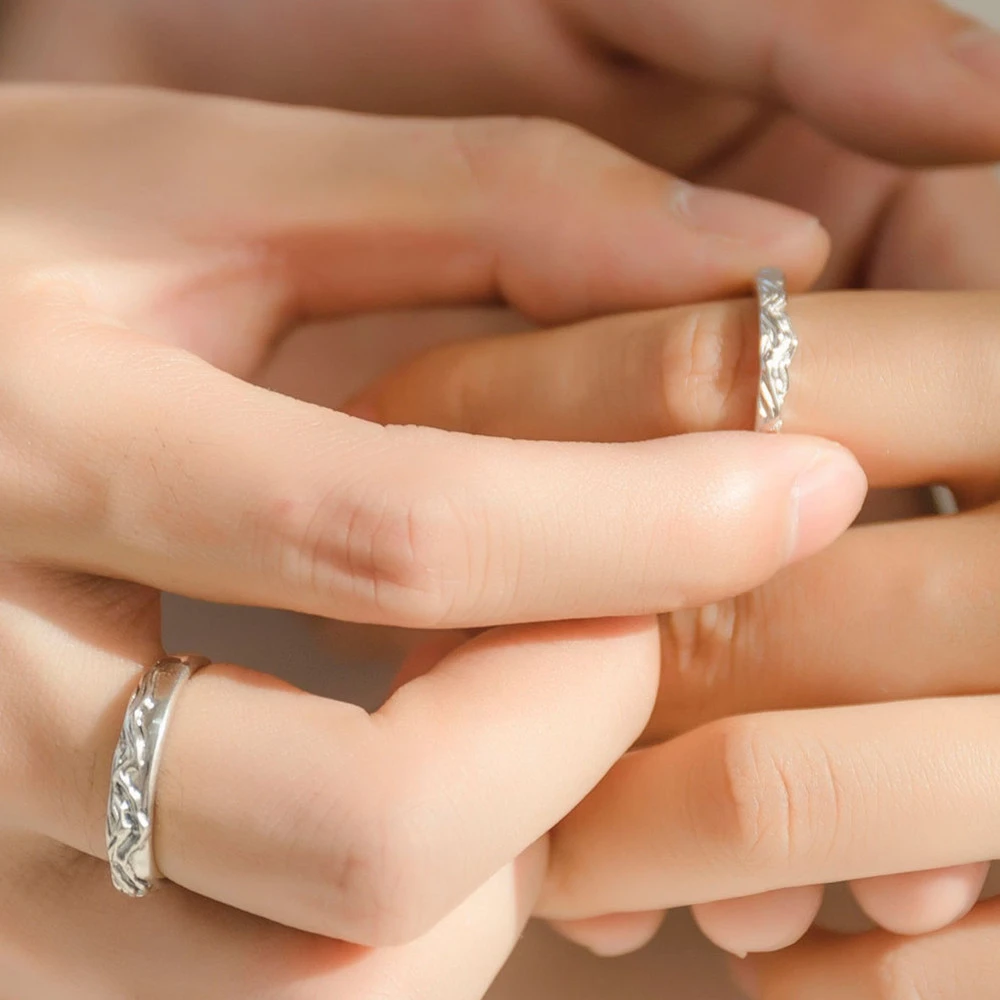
(778, 345)
(133, 774)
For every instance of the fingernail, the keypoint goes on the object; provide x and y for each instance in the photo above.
(826, 498)
(978, 48)
(745, 978)
(736, 216)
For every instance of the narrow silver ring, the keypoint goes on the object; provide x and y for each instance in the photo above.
(132, 797)
(778, 345)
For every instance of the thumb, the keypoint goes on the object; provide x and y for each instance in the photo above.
(188, 479)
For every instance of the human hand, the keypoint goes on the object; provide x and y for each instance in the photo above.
(750, 800)
(676, 81)
(155, 247)
(282, 803)
(784, 99)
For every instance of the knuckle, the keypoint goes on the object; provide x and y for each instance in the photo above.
(763, 800)
(758, 797)
(537, 182)
(705, 369)
(402, 558)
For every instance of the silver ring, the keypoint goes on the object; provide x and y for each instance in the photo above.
(133, 774)
(778, 345)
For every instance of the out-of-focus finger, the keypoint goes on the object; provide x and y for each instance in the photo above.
(323, 213)
(923, 84)
(941, 230)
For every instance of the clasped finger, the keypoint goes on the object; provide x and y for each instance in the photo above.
(751, 804)
(307, 811)
(906, 381)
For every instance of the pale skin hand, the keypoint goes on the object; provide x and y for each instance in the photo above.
(796, 132)
(750, 800)
(903, 219)
(154, 249)
(781, 98)
(891, 227)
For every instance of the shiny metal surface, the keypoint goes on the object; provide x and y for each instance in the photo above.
(132, 796)
(778, 344)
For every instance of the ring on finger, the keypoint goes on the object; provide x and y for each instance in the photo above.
(132, 796)
(778, 344)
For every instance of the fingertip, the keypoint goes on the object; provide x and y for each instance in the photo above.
(827, 496)
(806, 252)
(614, 935)
(750, 232)
(766, 922)
(800, 252)
(739, 217)
(918, 903)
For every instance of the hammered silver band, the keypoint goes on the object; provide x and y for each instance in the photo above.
(132, 797)
(778, 345)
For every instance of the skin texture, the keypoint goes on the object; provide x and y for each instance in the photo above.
(746, 800)
(137, 454)
(625, 78)
(753, 97)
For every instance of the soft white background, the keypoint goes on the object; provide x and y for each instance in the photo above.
(679, 965)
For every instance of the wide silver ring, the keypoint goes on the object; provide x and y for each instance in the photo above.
(778, 345)
(132, 797)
